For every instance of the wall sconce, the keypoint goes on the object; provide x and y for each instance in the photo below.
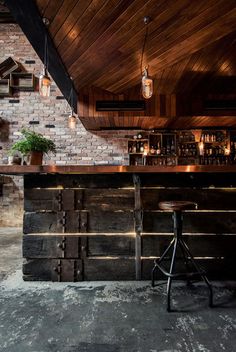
(147, 82)
(72, 119)
(44, 79)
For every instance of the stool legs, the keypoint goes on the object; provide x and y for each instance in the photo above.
(200, 272)
(176, 242)
(160, 260)
(169, 281)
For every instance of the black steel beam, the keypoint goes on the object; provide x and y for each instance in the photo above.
(29, 19)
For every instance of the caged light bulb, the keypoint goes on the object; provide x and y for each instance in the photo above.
(44, 84)
(147, 85)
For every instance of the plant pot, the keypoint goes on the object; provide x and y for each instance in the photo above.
(36, 158)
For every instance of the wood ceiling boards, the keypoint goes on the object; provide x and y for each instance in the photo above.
(100, 41)
(190, 48)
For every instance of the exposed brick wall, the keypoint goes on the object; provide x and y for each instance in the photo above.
(73, 146)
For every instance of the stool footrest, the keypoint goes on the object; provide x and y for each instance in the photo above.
(187, 275)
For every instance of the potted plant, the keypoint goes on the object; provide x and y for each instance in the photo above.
(34, 145)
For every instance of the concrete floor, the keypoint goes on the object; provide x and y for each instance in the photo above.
(108, 317)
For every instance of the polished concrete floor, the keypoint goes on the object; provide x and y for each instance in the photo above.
(108, 317)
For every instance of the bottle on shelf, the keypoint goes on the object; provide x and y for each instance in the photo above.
(134, 149)
(152, 150)
(138, 147)
(145, 147)
(172, 147)
(141, 147)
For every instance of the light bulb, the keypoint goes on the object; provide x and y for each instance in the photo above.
(72, 121)
(147, 85)
(44, 84)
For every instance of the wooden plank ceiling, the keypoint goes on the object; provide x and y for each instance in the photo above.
(190, 50)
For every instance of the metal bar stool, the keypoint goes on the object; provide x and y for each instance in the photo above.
(178, 242)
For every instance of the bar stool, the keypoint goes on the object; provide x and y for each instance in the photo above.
(178, 242)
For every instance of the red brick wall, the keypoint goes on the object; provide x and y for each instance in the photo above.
(73, 146)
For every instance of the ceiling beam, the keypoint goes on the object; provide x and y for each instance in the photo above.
(28, 17)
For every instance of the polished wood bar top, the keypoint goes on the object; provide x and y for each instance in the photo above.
(105, 169)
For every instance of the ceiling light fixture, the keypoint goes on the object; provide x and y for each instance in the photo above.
(147, 82)
(44, 79)
(72, 120)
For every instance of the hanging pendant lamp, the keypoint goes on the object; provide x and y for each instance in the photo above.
(147, 82)
(72, 119)
(44, 79)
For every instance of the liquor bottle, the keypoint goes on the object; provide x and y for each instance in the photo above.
(141, 147)
(152, 150)
(168, 147)
(145, 146)
(172, 148)
(158, 149)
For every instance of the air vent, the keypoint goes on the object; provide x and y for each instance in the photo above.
(124, 105)
(220, 105)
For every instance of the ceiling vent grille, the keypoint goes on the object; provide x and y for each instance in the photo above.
(124, 105)
(219, 105)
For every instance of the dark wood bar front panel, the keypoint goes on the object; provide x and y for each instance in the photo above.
(82, 227)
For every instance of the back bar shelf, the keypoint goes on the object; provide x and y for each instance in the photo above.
(183, 147)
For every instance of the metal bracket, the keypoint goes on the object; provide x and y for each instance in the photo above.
(62, 246)
(69, 270)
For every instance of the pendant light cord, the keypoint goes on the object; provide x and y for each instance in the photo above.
(70, 98)
(46, 51)
(144, 44)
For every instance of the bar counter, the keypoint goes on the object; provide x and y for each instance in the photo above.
(105, 169)
(104, 223)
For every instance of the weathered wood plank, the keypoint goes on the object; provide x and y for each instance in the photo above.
(109, 269)
(78, 181)
(111, 246)
(70, 199)
(210, 199)
(200, 245)
(42, 222)
(195, 222)
(106, 221)
(41, 199)
(115, 269)
(112, 199)
(52, 270)
(188, 180)
(50, 246)
(153, 222)
(216, 269)
(96, 221)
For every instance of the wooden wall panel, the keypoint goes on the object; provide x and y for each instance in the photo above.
(89, 233)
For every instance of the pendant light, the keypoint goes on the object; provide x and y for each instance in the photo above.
(147, 82)
(72, 120)
(44, 79)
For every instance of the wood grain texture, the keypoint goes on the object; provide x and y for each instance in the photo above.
(89, 233)
(177, 30)
(190, 50)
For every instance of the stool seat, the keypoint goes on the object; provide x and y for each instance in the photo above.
(177, 205)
